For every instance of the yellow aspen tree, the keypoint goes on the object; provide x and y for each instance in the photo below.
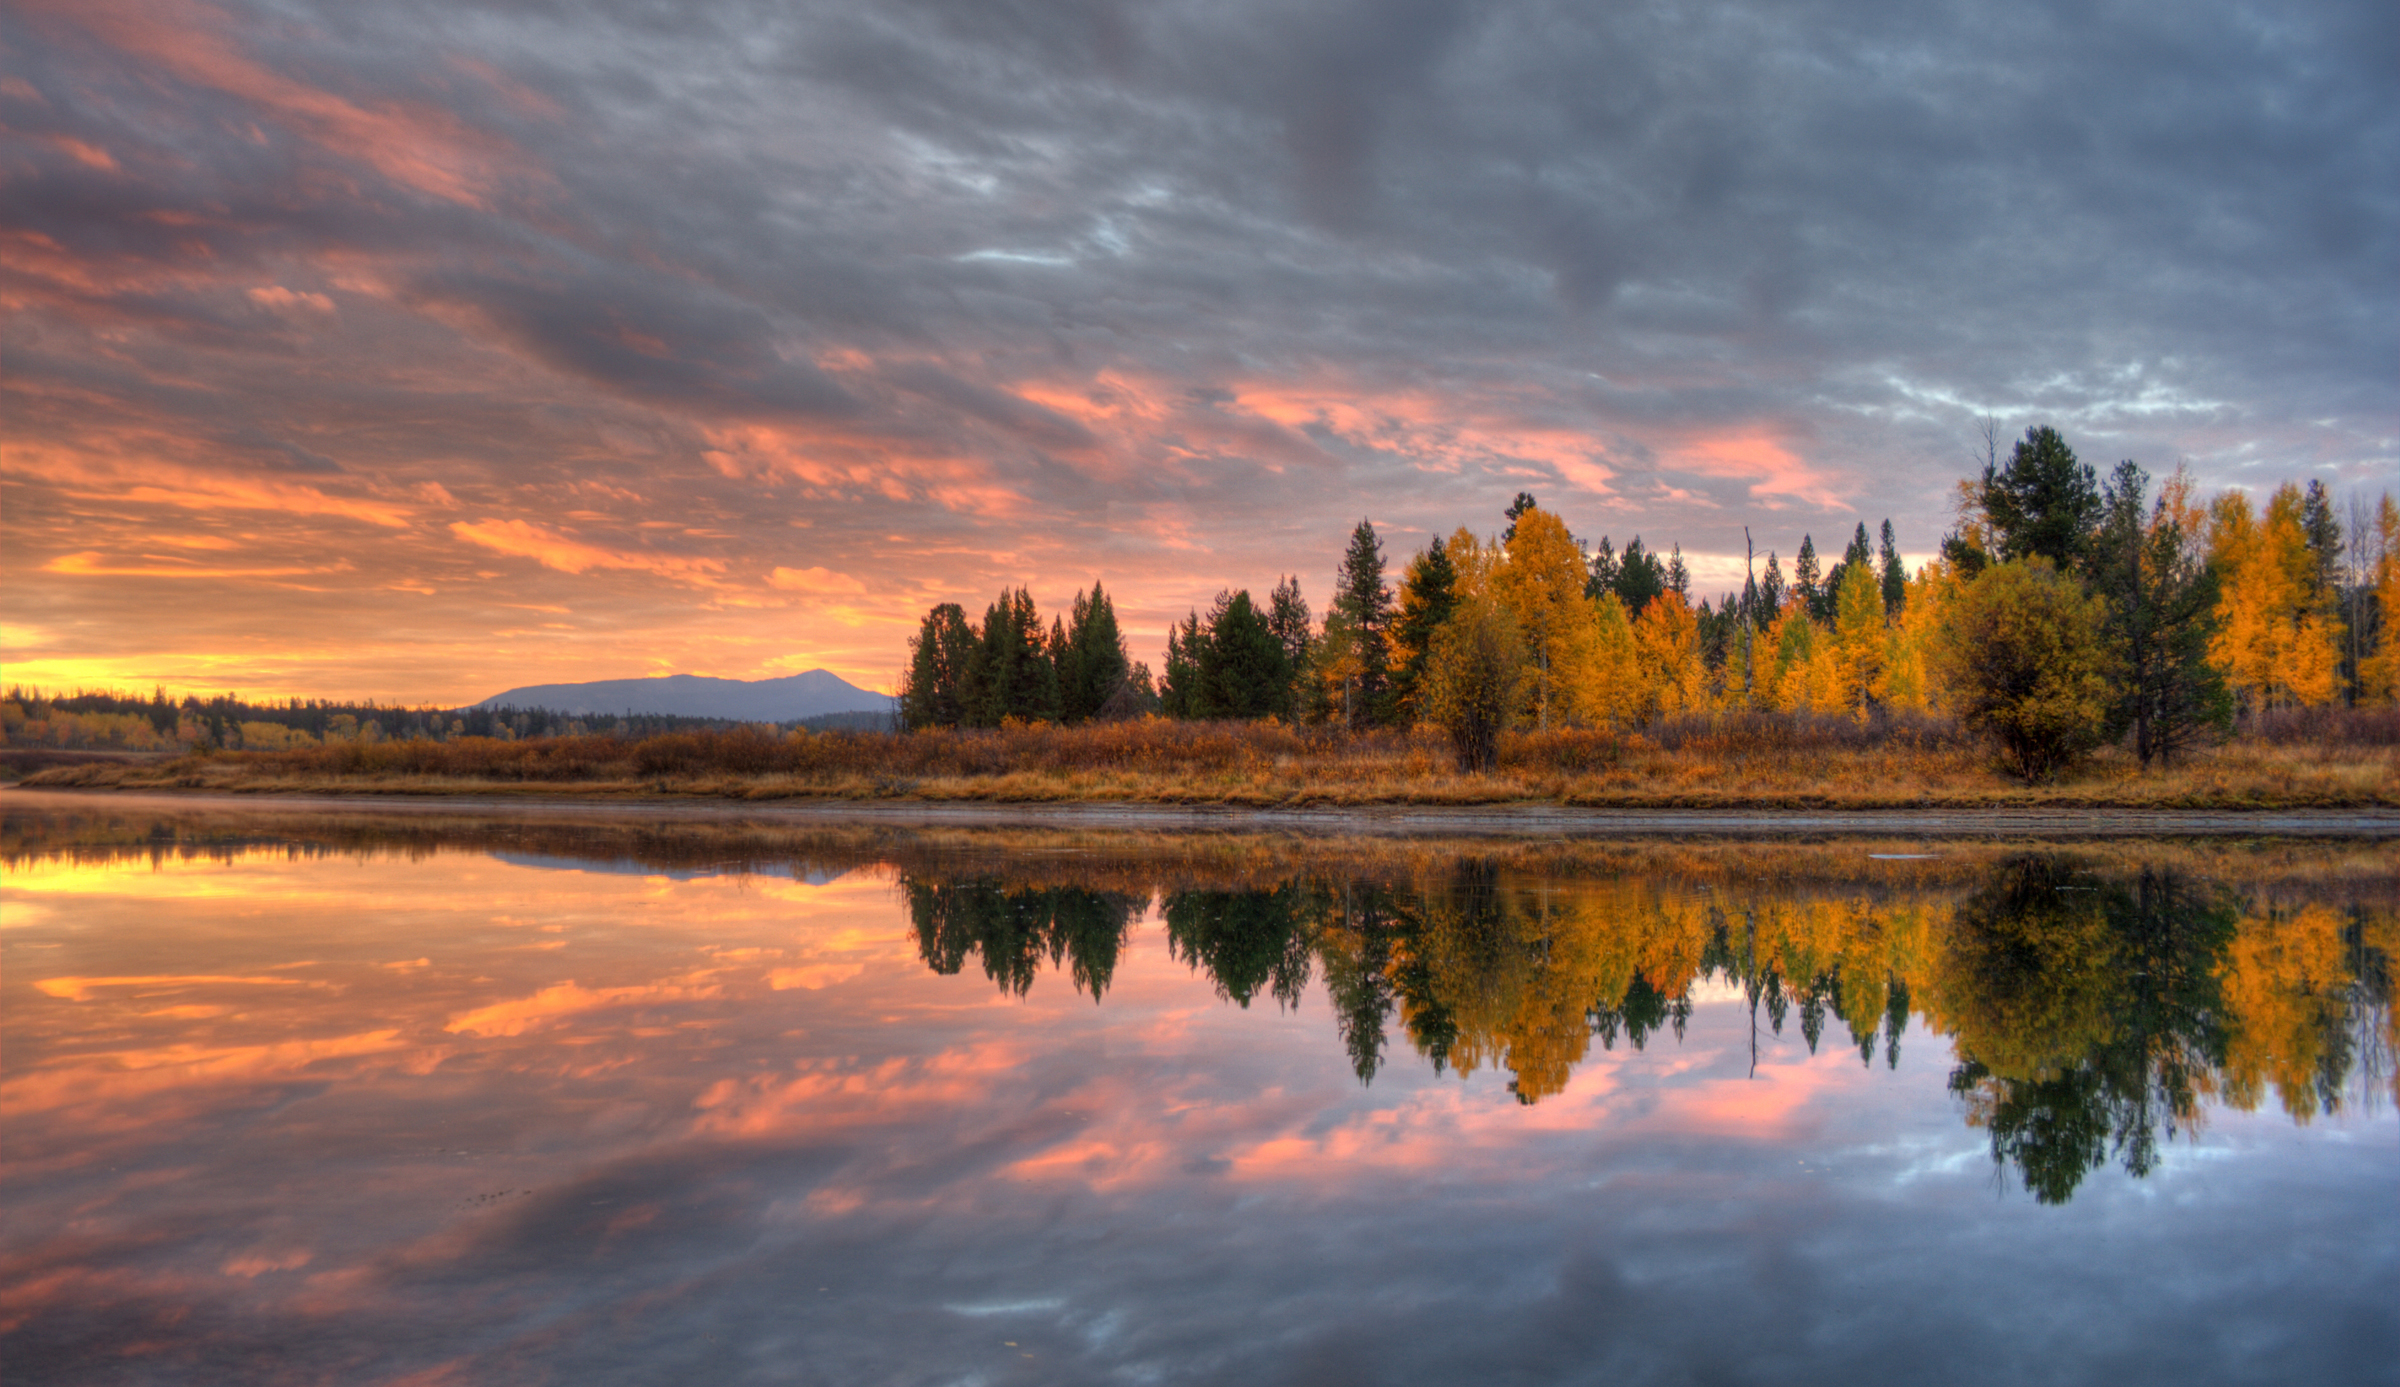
(1667, 637)
(1783, 672)
(1610, 692)
(2275, 644)
(1541, 582)
(1858, 639)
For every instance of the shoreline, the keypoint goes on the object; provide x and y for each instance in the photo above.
(1399, 821)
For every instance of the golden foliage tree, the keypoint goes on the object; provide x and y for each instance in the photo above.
(2025, 658)
(2276, 640)
(1858, 640)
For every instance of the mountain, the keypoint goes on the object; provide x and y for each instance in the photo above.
(795, 696)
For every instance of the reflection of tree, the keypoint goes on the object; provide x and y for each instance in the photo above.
(2091, 1013)
(1360, 972)
(2088, 1015)
(1246, 940)
(1083, 931)
(2313, 989)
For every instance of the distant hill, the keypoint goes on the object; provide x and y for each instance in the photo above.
(810, 695)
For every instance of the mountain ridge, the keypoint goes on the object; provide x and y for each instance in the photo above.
(811, 693)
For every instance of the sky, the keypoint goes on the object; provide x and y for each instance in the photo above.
(423, 349)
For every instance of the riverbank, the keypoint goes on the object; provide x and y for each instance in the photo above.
(2241, 778)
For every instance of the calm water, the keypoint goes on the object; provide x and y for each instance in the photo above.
(319, 1098)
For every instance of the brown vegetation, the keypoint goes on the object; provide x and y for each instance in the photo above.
(2344, 760)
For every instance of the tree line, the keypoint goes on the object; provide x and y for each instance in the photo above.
(2062, 612)
(102, 720)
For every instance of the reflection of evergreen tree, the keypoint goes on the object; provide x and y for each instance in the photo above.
(1246, 940)
(1083, 931)
(2088, 1016)
(1357, 953)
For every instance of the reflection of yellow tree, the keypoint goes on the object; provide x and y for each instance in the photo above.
(2302, 1011)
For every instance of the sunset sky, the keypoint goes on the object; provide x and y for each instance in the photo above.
(417, 350)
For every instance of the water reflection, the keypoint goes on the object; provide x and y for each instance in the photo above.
(355, 1097)
(2091, 1010)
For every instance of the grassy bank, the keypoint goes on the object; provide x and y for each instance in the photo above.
(1726, 762)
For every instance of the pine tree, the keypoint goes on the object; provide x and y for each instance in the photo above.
(1013, 676)
(1771, 592)
(1288, 618)
(1362, 597)
(1243, 670)
(2042, 501)
(1092, 662)
(1807, 588)
(2162, 598)
(1605, 570)
(1895, 575)
(1179, 691)
(1640, 578)
(1427, 597)
(936, 691)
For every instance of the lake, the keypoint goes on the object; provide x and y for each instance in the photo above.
(333, 1095)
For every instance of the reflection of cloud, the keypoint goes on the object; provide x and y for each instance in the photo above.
(567, 999)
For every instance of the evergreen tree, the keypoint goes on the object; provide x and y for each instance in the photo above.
(1516, 510)
(1606, 569)
(1012, 673)
(1287, 617)
(1243, 670)
(2042, 501)
(1640, 577)
(1361, 596)
(1807, 587)
(1428, 594)
(1771, 592)
(1858, 555)
(1179, 691)
(1895, 575)
(1092, 661)
(1678, 577)
(2162, 599)
(937, 690)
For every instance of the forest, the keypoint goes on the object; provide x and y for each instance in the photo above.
(101, 721)
(2065, 611)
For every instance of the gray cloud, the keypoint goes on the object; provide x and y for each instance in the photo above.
(1845, 227)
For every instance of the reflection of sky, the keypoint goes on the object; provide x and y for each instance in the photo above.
(458, 1120)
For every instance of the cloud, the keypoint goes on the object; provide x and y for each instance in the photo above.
(1168, 295)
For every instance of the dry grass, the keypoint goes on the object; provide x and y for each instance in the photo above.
(1722, 762)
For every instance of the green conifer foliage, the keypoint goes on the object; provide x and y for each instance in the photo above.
(2042, 501)
(1428, 594)
(936, 691)
(1361, 596)
(1092, 661)
(1895, 575)
(1013, 675)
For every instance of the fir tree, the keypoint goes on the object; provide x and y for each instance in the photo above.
(1178, 694)
(1288, 618)
(1361, 596)
(1771, 592)
(2162, 599)
(1807, 587)
(1092, 660)
(1606, 569)
(1013, 676)
(2042, 501)
(1428, 594)
(937, 690)
(1243, 670)
(1895, 575)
